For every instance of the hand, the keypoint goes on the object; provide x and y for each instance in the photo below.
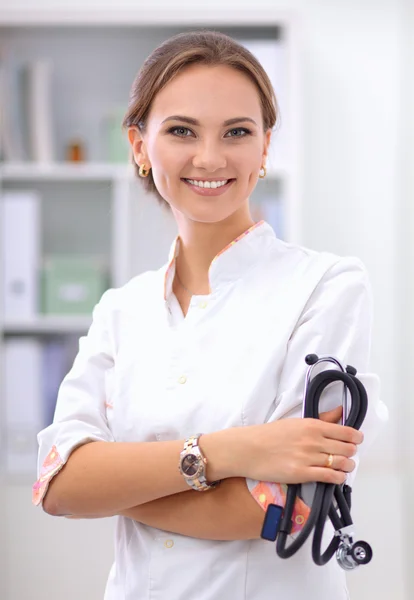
(296, 450)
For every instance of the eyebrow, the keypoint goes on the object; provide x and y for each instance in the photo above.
(192, 121)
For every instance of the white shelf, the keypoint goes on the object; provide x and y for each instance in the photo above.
(30, 171)
(87, 14)
(48, 324)
(64, 171)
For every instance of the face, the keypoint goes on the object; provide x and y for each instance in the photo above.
(204, 142)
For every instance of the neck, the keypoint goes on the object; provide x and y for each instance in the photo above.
(199, 244)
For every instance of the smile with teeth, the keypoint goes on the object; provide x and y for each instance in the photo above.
(208, 184)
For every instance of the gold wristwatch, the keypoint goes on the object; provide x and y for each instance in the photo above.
(193, 465)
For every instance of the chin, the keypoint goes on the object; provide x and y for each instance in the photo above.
(205, 209)
(209, 216)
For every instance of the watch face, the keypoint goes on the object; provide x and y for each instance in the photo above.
(190, 465)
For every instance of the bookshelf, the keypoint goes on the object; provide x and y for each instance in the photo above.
(96, 54)
(97, 207)
(64, 171)
(46, 324)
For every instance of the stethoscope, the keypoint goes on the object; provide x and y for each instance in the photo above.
(329, 499)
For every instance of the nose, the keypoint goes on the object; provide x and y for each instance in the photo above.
(209, 156)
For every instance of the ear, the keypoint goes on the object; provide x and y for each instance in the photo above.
(267, 138)
(138, 146)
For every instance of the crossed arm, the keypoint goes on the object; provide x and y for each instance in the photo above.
(228, 512)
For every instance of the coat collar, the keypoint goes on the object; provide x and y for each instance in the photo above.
(231, 262)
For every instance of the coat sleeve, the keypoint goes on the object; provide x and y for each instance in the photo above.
(80, 415)
(336, 321)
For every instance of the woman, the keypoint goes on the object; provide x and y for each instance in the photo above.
(213, 342)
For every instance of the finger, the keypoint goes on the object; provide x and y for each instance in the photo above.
(323, 475)
(339, 448)
(331, 416)
(342, 433)
(339, 463)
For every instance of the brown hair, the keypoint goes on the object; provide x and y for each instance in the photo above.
(173, 56)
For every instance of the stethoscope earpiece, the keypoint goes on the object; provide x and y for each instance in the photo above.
(311, 359)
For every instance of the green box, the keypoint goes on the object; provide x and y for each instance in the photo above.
(72, 285)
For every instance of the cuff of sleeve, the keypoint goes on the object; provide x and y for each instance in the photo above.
(60, 440)
(51, 466)
(266, 492)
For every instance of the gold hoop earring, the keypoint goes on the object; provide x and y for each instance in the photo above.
(143, 172)
(262, 176)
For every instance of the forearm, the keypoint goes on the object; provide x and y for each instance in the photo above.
(104, 478)
(227, 513)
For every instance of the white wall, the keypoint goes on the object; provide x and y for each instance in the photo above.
(353, 190)
(405, 270)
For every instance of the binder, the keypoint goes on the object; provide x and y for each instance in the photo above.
(54, 369)
(23, 403)
(20, 251)
(59, 354)
(12, 138)
(38, 110)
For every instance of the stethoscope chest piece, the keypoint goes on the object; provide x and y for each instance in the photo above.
(350, 556)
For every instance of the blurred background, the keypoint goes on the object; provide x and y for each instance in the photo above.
(74, 222)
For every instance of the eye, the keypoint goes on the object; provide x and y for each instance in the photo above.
(239, 132)
(180, 131)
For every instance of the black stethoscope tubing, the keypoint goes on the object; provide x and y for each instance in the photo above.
(323, 501)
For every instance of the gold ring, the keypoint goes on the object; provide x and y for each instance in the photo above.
(329, 461)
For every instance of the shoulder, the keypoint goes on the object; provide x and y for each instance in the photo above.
(315, 277)
(313, 265)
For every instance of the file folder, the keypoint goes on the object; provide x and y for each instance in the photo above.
(20, 252)
(23, 391)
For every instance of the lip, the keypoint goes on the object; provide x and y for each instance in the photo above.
(209, 191)
(209, 178)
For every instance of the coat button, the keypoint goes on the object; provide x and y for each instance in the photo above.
(182, 379)
(203, 304)
(169, 543)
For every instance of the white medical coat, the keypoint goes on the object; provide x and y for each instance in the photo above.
(145, 373)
